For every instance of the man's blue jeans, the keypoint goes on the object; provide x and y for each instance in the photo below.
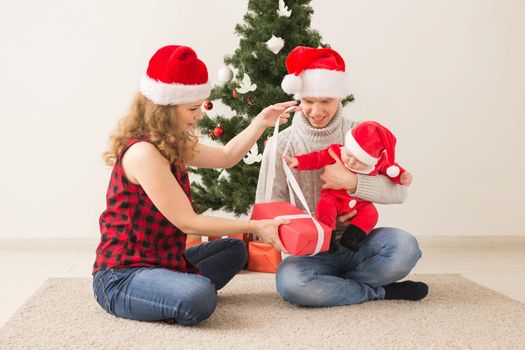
(153, 294)
(344, 277)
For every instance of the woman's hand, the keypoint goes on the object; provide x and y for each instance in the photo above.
(268, 231)
(269, 115)
(405, 179)
(291, 161)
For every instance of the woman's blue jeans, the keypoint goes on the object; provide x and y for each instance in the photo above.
(153, 294)
(344, 277)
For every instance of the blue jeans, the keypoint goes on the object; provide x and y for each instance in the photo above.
(154, 294)
(344, 277)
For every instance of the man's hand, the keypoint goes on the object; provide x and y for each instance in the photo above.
(347, 216)
(336, 176)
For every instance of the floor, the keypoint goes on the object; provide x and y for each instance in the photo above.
(495, 262)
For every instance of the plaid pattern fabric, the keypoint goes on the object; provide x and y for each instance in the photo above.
(134, 232)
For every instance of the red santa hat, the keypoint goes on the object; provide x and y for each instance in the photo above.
(175, 76)
(369, 141)
(315, 73)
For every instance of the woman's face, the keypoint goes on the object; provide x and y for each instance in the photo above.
(319, 110)
(188, 115)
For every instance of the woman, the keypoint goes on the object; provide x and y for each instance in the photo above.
(142, 270)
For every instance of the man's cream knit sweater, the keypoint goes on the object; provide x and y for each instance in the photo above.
(377, 189)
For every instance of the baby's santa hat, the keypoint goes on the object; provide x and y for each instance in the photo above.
(315, 73)
(175, 76)
(369, 141)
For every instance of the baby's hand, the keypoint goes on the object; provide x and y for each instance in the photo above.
(291, 161)
(405, 179)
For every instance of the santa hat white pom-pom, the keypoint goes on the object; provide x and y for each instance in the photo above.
(392, 171)
(291, 84)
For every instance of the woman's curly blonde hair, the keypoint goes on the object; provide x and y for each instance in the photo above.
(158, 124)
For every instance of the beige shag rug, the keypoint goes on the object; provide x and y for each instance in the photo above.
(457, 314)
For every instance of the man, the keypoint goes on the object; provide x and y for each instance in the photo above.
(339, 277)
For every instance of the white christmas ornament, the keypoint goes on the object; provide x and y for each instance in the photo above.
(253, 155)
(246, 85)
(254, 55)
(224, 75)
(283, 10)
(224, 175)
(275, 44)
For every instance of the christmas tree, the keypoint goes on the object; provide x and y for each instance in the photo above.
(271, 29)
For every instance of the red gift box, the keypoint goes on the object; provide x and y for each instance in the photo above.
(300, 236)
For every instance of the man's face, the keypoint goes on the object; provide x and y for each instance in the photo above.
(319, 110)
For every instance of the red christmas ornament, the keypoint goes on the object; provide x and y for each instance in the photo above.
(235, 95)
(218, 131)
(208, 105)
(250, 100)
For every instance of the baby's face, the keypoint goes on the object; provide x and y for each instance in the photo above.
(351, 161)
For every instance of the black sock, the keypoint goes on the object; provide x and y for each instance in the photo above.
(352, 237)
(407, 290)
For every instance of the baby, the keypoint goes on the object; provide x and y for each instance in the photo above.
(369, 149)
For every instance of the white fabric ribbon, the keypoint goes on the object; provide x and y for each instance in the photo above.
(292, 183)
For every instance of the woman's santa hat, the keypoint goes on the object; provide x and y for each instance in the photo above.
(369, 141)
(315, 73)
(175, 76)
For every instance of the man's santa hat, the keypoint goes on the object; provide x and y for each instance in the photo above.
(315, 73)
(175, 76)
(369, 141)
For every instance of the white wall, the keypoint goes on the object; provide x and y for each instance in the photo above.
(446, 76)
